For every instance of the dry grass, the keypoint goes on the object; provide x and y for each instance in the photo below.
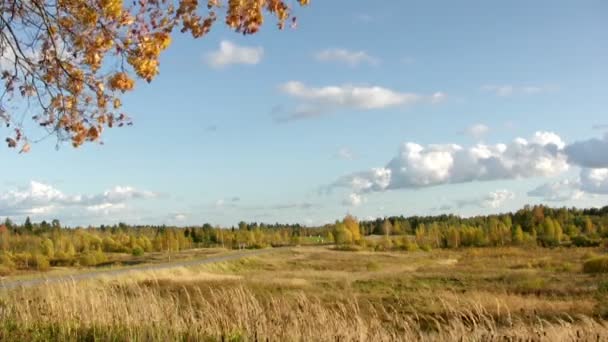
(314, 294)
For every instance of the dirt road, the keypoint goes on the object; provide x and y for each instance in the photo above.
(15, 283)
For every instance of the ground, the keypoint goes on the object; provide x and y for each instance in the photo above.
(317, 293)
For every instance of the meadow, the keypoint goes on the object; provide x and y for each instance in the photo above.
(318, 293)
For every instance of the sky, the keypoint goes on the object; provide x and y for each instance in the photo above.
(377, 108)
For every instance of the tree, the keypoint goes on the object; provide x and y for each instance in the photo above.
(588, 227)
(56, 224)
(517, 235)
(352, 225)
(341, 234)
(387, 227)
(73, 59)
(27, 225)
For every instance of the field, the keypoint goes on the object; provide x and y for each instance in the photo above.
(316, 293)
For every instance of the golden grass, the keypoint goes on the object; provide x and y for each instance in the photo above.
(313, 294)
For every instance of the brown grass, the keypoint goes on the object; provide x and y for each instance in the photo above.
(313, 294)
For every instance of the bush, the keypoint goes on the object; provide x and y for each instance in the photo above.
(596, 265)
(6, 261)
(347, 248)
(426, 247)
(41, 262)
(584, 241)
(88, 259)
(137, 251)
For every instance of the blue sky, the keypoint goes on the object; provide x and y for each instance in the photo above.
(302, 125)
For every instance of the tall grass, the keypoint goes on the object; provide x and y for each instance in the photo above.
(155, 309)
(596, 265)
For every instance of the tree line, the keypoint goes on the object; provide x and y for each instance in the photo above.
(40, 245)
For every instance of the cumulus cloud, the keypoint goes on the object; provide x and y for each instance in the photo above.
(591, 153)
(594, 181)
(38, 198)
(353, 200)
(319, 100)
(509, 90)
(558, 191)
(417, 166)
(230, 53)
(476, 131)
(590, 181)
(350, 58)
(494, 199)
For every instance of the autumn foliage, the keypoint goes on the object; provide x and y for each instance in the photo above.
(66, 63)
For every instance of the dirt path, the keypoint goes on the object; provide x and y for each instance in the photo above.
(11, 284)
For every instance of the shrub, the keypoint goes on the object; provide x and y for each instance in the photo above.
(596, 265)
(41, 262)
(426, 247)
(602, 287)
(347, 248)
(6, 261)
(584, 241)
(137, 251)
(88, 259)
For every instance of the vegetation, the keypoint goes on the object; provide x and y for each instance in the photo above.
(489, 294)
(596, 265)
(73, 59)
(39, 246)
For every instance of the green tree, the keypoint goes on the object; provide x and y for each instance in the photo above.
(518, 235)
(27, 225)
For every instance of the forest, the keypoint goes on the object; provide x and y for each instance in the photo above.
(39, 246)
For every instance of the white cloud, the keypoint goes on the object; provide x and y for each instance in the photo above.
(40, 199)
(494, 199)
(558, 191)
(509, 90)
(438, 97)
(350, 96)
(230, 53)
(319, 100)
(592, 153)
(353, 200)
(546, 138)
(345, 153)
(497, 198)
(351, 58)
(106, 208)
(418, 166)
(178, 217)
(476, 131)
(595, 181)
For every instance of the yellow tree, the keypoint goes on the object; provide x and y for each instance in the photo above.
(352, 224)
(66, 63)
